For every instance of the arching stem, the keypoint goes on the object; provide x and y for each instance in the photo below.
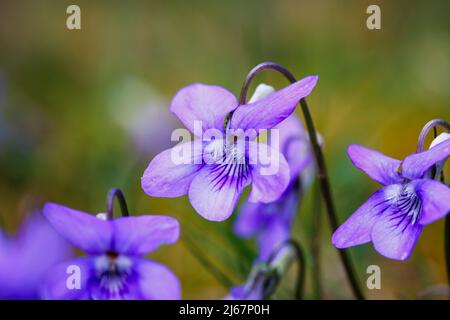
(300, 255)
(113, 194)
(320, 162)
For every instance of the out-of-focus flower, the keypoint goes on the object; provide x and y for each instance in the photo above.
(265, 276)
(115, 267)
(140, 110)
(395, 215)
(217, 170)
(27, 256)
(272, 222)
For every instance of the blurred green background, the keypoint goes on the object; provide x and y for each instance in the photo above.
(83, 111)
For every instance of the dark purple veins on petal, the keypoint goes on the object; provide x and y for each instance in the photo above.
(406, 209)
(112, 278)
(233, 168)
(228, 172)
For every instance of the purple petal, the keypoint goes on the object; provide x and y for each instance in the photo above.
(270, 173)
(156, 281)
(250, 219)
(22, 262)
(295, 145)
(83, 230)
(268, 112)
(255, 218)
(55, 287)
(435, 198)
(415, 165)
(206, 103)
(171, 172)
(357, 229)
(143, 234)
(394, 239)
(276, 233)
(376, 165)
(439, 165)
(242, 292)
(215, 190)
(290, 128)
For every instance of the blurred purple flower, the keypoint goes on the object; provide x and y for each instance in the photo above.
(272, 222)
(26, 257)
(115, 267)
(395, 215)
(220, 169)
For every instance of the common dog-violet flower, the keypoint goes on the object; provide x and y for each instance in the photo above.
(219, 168)
(394, 216)
(272, 222)
(115, 267)
(26, 257)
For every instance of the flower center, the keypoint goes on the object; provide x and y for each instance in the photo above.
(409, 203)
(405, 205)
(112, 278)
(229, 164)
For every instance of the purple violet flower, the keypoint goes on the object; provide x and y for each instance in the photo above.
(395, 215)
(272, 222)
(115, 267)
(26, 257)
(218, 169)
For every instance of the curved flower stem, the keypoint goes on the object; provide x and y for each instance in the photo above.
(112, 194)
(320, 161)
(433, 124)
(294, 245)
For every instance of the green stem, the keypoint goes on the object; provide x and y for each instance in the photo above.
(315, 243)
(320, 162)
(301, 267)
(220, 276)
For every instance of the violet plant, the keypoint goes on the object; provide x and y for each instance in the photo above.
(319, 162)
(214, 173)
(219, 168)
(271, 223)
(394, 216)
(166, 180)
(114, 268)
